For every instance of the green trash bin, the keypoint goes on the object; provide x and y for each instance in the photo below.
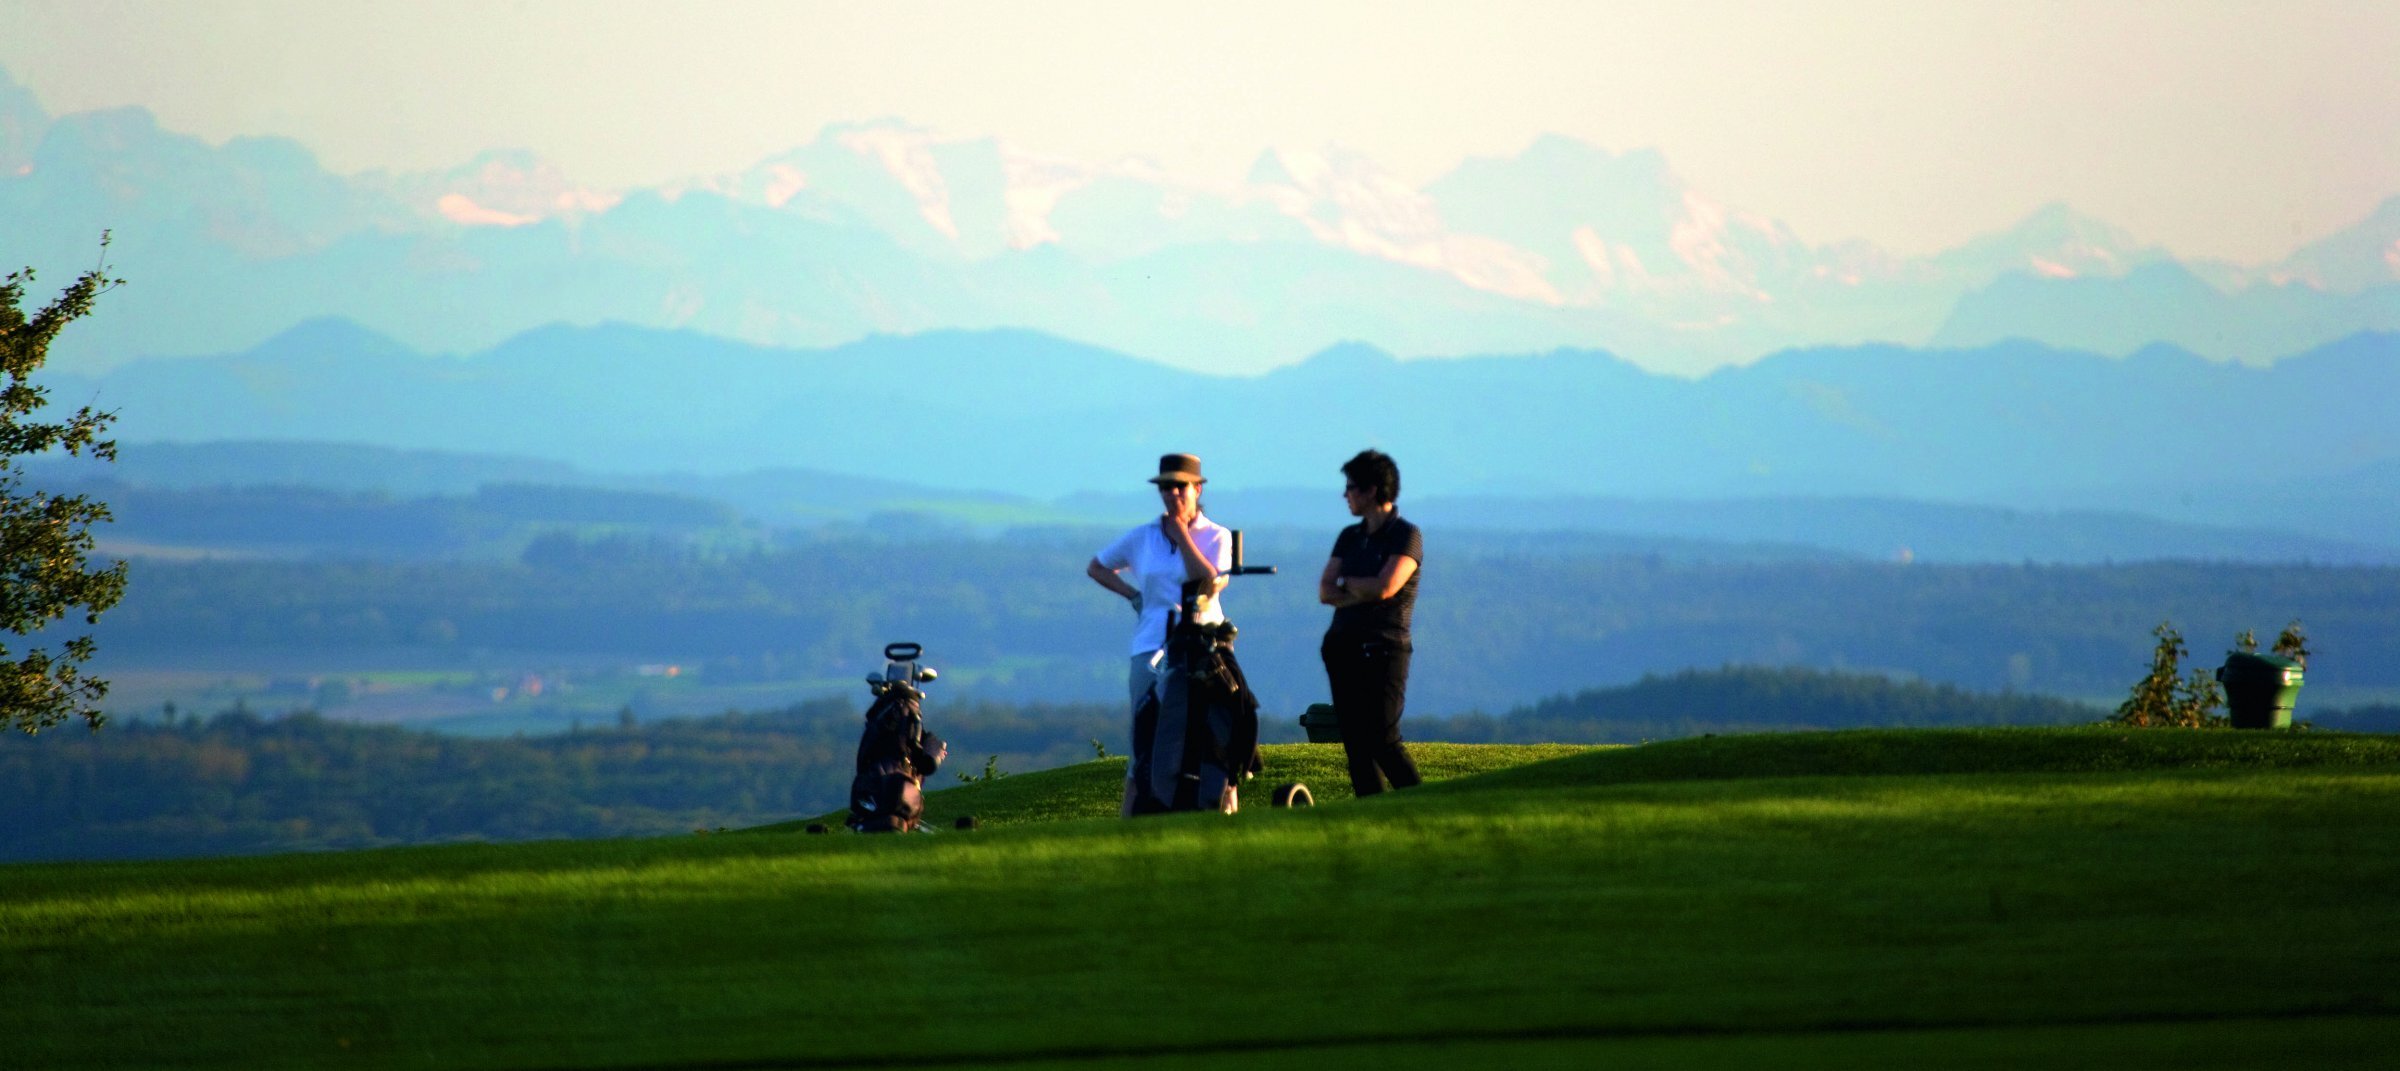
(1322, 729)
(2260, 689)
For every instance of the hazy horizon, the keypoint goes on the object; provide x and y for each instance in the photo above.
(2218, 131)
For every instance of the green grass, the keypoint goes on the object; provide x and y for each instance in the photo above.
(1983, 898)
(1095, 789)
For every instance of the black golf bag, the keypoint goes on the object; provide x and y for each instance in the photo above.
(895, 751)
(1195, 739)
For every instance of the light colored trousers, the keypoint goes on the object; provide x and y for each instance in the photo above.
(1141, 675)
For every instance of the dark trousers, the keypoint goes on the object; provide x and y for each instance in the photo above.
(1369, 682)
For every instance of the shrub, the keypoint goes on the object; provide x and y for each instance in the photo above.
(2165, 697)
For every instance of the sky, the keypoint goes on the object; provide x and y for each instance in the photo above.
(2233, 131)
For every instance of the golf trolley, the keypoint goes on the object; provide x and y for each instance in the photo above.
(895, 750)
(1195, 739)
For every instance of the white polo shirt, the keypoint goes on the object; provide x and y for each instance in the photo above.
(1157, 569)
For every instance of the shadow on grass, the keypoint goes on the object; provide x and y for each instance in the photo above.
(1903, 752)
(1091, 790)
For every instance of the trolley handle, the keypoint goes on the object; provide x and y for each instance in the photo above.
(1245, 570)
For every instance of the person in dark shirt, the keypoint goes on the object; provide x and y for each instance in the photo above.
(1371, 583)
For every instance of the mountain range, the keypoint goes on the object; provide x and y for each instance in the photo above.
(882, 229)
(2304, 445)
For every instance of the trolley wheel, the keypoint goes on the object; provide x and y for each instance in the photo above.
(1292, 794)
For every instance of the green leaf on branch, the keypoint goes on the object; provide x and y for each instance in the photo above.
(46, 543)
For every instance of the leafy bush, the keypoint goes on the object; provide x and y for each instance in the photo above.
(2165, 696)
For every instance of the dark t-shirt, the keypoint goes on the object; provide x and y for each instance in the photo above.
(1362, 554)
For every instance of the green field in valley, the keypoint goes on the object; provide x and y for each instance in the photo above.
(1958, 898)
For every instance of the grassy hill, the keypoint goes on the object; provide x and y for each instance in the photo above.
(1973, 898)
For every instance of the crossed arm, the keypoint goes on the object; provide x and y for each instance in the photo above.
(1360, 590)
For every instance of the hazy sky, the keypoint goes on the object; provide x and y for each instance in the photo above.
(2232, 130)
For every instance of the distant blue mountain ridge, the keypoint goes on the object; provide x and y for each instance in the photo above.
(2301, 451)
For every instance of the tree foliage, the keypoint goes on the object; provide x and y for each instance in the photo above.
(2292, 643)
(45, 539)
(238, 782)
(1743, 699)
(2165, 696)
(822, 607)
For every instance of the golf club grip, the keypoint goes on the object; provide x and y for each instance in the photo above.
(902, 652)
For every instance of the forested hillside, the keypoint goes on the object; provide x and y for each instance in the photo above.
(238, 783)
(1502, 621)
(345, 500)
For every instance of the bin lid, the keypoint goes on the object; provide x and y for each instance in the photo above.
(2256, 660)
(2252, 666)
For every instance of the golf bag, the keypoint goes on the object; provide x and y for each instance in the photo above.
(1196, 737)
(895, 751)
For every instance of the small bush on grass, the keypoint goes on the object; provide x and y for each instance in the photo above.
(2164, 696)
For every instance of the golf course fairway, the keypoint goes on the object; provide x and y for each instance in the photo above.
(2087, 897)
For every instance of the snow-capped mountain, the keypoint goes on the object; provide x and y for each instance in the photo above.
(882, 227)
(2362, 257)
(498, 188)
(22, 124)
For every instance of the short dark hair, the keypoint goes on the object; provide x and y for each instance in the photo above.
(1375, 471)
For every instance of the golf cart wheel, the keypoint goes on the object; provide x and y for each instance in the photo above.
(1292, 794)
